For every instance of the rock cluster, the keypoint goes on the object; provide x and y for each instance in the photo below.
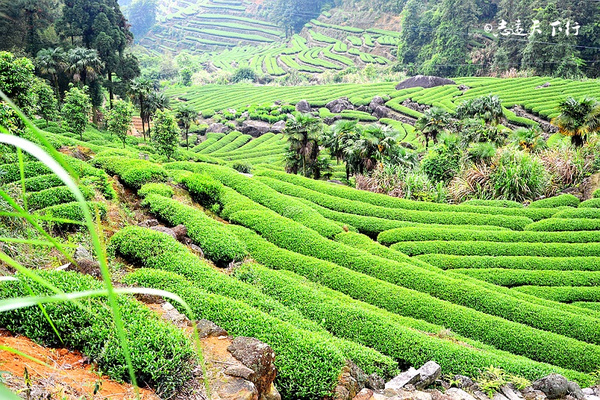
(424, 82)
(416, 384)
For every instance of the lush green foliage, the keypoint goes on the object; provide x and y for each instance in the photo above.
(161, 189)
(76, 110)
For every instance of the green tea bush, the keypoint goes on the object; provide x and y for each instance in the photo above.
(37, 183)
(561, 224)
(383, 200)
(133, 172)
(212, 237)
(515, 277)
(161, 189)
(565, 294)
(596, 194)
(307, 366)
(493, 203)
(580, 213)
(53, 196)
(242, 167)
(162, 356)
(564, 200)
(72, 211)
(482, 248)
(506, 335)
(591, 203)
(205, 189)
(449, 261)
(430, 233)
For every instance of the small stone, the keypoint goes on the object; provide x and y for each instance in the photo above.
(459, 394)
(208, 328)
(239, 371)
(271, 394)
(499, 396)
(303, 106)
(574, 390)
(429, 372)
(180, 232)
(588, 392)
(479, 395)
(511, 393)
(86, 266)
(81, 252)
(410, 376)
(463, 381)
(532, 394)
(238, 389)
(148, 223)
(164, 230)
(437, 395)
(364, 394)
(375, 382)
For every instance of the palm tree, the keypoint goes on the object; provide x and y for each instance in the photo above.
(578, 119)
(375, 145)
(140, 90)
(154, 102)
(341, 137)
(84, 64)
(52, 62)
(433, 122)
(186, 115)
(488, 108)
(303, 132)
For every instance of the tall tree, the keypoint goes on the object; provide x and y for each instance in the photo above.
(119, 119)
(16, 79)
(303, 132)
(140, 91)
(165, 133)
(76, 110)
(432, 123)
(83, 64)
(186, 115)
(52, 62)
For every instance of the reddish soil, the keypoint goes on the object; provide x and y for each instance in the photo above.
(67, 375)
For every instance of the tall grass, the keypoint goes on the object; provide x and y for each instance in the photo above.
(55, 162)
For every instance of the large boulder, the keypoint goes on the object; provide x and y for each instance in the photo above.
(429, 372)
(255, 128)
(278, 127)
(218, 128)
(376, 102)
(381, 112)
(303, 106)
(424, 82)
(339, 105)
(257, 356)
(556, 386)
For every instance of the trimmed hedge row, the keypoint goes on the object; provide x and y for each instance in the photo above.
(205, 189)
(294, 237)
(365, 209)
(587, 305)
(591, 203)
(307, 364)
(505, 335)
(383, 200)
(222, 142)
(133, 172)
(263, 194)
(156, 188)
(73, 212)
(427, 234)
(212, 237)
(521, 277)
(493, 203)
(54, 196)
(562, 224)
(412, 342)
(37, 183)
(588, 213)
(162, 356)
(481, 248)
(565, 294)
(157, 250)
(564, 200)
(448, 261)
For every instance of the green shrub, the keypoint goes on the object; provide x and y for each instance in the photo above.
(564, 294)
(564, 200)
(588, 213)
(561, 224)
(493, 203)
(264, 195)
(427, 233)
(383, 200)
(53, 196)
(506, 335)
(412, 341)
(596, 194)
(243, 167)
(37, 183)
(161, 189)
(205, 189)
(518, 176)
(208, 114)
(591, 203)
(72, 211)
(515, 277)
(133, 172)
(212, 237)
(307, 366)
(449, 261)
(360, 208)
(482, 248)
(162, 356)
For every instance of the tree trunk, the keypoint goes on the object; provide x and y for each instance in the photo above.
(577, 140)
(187, 139)
(110, 89)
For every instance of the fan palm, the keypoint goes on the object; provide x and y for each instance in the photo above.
(375, 144)
(433, 122)
(52, 62)
(488, 108)
(578, 119)
(186, 115)
(84, 64)
(340, 138)
(303, 132)
(140, 90)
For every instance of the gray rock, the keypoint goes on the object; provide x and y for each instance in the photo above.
(166, 230)
(463, 381)
(148, 223)
(303, 106)
(208, 328)
(410, 376)
(86, 266)
(278, 127)
(429, 372)
(424, 82)
(172, 315)
(459, 394)
(510, 392)
(239, 371)
(554, 386)
(366, 109)
(257, 356)
(588, 392)
(255, 128)
(197, 250)
(218, 128)
(545, 85)
(375, 382)
(377, 101)
(381, 112)
(479, 395)
(237, 389)
(180, 232)
(531, 394)
(574, 390)
(499, 396)
(339, 105)
(591, 397)
(364, 394)
(81, 252)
